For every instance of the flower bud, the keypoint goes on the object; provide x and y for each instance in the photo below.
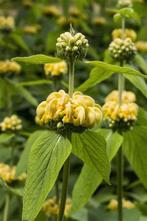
(122, 49)
(124, 3)
(72, 46)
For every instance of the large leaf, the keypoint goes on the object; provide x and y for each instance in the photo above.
(142, 117)
(47, 156)
(23, 161)
(4, 138)
(91, 148)
(139, 83)
(102, 71)
(37, 59)
(135, 149)
(89, 178)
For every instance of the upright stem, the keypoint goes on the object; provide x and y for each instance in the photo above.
(66, 167)
(71, 78)
(6, 209)
(66, 170)
(120, 183)
(121, 85)
(123, 28)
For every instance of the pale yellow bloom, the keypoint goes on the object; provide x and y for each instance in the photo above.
(55, 69)
(7, 22)
(51, 207)
(113, 204)
(141, 46)
(31, 29)
(129, 33)
(79, 110)
(63, 21)
(8, 173)
(11, 123)
(9, 67)
(52, 10)
(127, 96)
(99, 20)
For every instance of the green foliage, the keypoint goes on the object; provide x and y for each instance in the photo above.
(4, 138)
(91, 148)
(47, 156)
(134, 147)
(90, 178)
(102, 71)
(37, 59)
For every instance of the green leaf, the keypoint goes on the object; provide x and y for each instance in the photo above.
(4, 138)
(96, 76)
(90, 178)
(142, 117)
(37, 59)
(48, 154)
(23, 161)
(102, 71)
(25, 94)
(91, 148)
(135, 150)
(34, 83)
(139, 60)
(129, 13)
(139, 83)
(2, 92)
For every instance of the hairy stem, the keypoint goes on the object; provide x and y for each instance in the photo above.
(6, 209)
(71, 78)
(66, 170)
(120, 183)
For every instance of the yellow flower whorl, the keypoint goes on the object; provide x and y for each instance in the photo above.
(9, 66)
(8, 173)
(52, 10)
(55, 69)
(120, 116)
(113, 204)
(11, 123)
(129, 33)
(7, 23)
(51, 207)
(141, 46)
(80, 110)
(31, 29)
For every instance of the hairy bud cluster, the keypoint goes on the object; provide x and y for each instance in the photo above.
(11, 123)
(55, 69)
(7, 23)
(9, 67)
(76, 111)
(120, 117)
(72, 46)
(122, 49)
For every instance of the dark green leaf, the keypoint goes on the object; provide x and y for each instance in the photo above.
(16, 191)
(47, 156)
(139, 60)
(37, 59)
(20, 42)
(91, 148)
(23, 161)
(4, 138)
(142, 117)
(34, 83)
(135, 149)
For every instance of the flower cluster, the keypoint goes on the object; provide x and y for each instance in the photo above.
(9, 67)
(141, 46)
(51, 207)
(72, 46)
(8, 173)
(122, 49)
(113, 204)
(76, 111)
(97, 20)
(55, 69)
(120, 117)
(31, 29)
(129, 33)
(13, 123)
(51, 10)
(27, 3)
(7, 23)
(125, 3)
